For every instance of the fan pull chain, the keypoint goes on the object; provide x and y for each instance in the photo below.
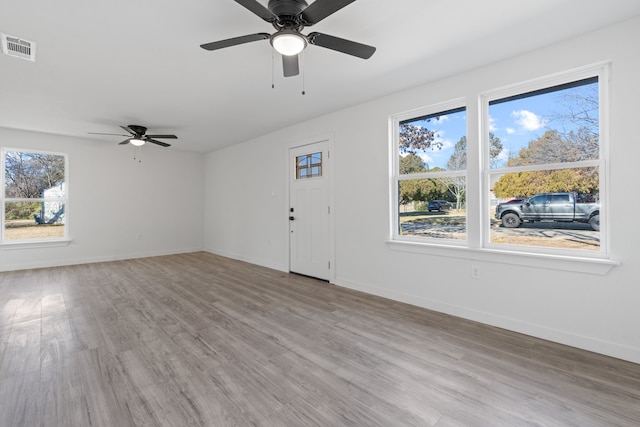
(302, 71)
(273, 66)
(135, 149)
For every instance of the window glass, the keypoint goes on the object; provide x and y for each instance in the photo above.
(34, 196)
(309, 166)
(550, 157)
(559, 124)
(560, 198)
(430, 173)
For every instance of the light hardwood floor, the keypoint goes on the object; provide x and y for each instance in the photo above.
(200, 340)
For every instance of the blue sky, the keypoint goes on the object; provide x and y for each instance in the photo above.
(515, 122)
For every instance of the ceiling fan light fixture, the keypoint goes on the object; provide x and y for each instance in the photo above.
(137, 142)
(288, 42)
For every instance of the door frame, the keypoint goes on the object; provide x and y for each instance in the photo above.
(328, 173)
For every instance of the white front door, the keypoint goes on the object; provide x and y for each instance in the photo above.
(309, 211)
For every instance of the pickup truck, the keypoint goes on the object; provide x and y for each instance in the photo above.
(558, 207)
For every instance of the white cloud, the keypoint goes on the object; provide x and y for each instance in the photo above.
(425, 158)
(440, 119)
(510, 131)
(447, 144)
(438, 136)
(528, 120)
(440, 139)
(504, 155)
(492, 125)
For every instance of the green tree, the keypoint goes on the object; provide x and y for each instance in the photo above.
(457, 186)
(584, 180)
(552, 147)
(21, 210)
(417, 190)
(579, 111)
(495, 148)
(458, 160)
(421, 189)
(413, 139)
(411, 163)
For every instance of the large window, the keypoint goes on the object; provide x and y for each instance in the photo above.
(34, 196)
(430, 174)
(545, 187)
(536, 181)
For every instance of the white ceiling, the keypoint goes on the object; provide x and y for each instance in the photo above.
(100, 64)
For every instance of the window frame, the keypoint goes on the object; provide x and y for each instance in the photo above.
(602, 72)
(36, 242)
(395, 178)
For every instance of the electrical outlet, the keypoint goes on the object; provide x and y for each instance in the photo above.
(475, 272)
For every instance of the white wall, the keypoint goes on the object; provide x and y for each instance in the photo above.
(246, 203)
(113, 198)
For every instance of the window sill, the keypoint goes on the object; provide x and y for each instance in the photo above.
(35, 244)
(597, 266)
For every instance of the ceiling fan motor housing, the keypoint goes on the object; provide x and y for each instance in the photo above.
(140, 130)
(286, 8)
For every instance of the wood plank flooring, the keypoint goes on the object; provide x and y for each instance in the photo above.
(201, 340)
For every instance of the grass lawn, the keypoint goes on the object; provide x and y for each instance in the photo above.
(23, 229)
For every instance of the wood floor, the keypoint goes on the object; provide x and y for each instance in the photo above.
(200, 340)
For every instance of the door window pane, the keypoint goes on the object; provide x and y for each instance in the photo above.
(309, 166)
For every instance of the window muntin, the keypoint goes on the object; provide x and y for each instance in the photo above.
(430, 154)
(309, 166)
(551, 138)
(34, 196)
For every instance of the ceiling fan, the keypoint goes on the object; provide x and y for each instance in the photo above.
(289, 18)
(137, 136)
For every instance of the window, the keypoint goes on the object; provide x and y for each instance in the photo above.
(34, 196)
(309, 166)
(551, 158)
(430, 177)
(539, 187)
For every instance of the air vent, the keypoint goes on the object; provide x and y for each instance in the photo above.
(20, 48)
